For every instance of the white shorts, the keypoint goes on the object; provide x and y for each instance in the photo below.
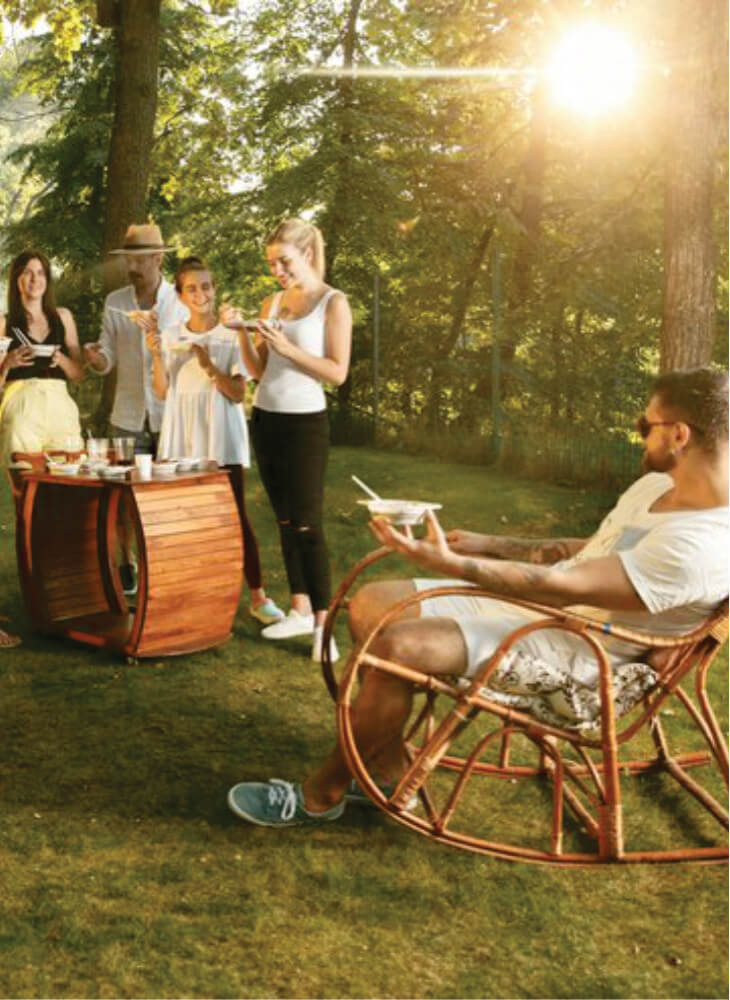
(552, 674)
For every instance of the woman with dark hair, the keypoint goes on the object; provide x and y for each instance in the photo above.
(302, 340)
(199, 372)
(37, 412)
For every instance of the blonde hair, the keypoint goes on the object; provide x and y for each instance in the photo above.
(304, 236)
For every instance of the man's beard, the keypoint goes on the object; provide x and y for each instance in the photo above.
(658, 463)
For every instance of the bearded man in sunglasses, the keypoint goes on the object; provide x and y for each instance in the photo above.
(657, 564)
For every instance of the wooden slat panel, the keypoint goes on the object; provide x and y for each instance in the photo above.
(184, 512)
(198, 527)
(168, 602)
(227, 565)
(78, 584)
(167, 494)
(164, 547)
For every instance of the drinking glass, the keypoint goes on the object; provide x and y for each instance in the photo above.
(123, 450)
(73, 446)
(98, 449)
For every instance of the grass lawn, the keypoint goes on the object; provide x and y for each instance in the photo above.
(122, 872)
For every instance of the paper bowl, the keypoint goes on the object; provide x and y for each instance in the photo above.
(114, 471)
(400, 511)
(44, 350)
(5, 343)
(64, 468)
(164, 470)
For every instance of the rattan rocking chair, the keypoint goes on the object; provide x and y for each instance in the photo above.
(585, 805)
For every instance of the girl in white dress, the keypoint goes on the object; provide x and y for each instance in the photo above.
(199, 372)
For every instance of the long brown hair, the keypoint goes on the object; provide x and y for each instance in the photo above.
(16, 310)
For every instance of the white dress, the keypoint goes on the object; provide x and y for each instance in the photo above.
(198, 420)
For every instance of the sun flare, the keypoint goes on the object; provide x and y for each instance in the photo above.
(592, 70)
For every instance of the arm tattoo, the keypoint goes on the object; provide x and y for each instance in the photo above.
(543, 552)
(513, 579)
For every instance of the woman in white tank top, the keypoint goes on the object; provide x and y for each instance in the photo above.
(302, 340)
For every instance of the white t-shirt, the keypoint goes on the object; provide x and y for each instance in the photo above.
(198, 420)
(123, 344)
(284, 387)
(676, 561)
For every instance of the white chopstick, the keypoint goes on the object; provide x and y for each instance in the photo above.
(25, 341)
(366, 489)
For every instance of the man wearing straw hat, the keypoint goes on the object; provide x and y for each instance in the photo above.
(137, 411)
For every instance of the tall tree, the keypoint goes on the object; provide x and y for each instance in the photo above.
(696, 121)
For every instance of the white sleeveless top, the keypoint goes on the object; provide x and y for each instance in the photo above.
(284, 387)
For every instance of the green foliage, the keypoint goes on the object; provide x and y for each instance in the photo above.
(419, 180)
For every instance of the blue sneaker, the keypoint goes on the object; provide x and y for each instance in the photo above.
(278, 803)
(267, 612)
(357, 796)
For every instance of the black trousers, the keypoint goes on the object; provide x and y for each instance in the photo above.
(291, 453)
(251, 560)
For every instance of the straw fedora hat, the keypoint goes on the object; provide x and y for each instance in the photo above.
(146, 238)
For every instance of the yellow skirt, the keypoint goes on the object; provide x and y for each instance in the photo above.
(37, 414)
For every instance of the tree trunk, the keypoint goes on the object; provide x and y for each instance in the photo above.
(688, 320)
(137, 53)
(339, 219)
(530, 216)
(460, 304)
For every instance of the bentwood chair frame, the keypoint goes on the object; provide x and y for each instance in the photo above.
(578, 774)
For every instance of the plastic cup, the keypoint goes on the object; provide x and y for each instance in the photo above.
(143, 464)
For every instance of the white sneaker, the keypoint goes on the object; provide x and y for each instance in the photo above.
(317, 646)
(289, 625)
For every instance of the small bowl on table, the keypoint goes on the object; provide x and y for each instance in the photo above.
(165, 469)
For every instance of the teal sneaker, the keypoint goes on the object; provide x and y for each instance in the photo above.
(267, 613)
(278, 803)
(357, 796)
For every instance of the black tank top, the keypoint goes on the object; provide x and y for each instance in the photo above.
(41, 367)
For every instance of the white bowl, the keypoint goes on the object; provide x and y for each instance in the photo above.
(400, 511)
(114, 471)
(186, 464)
(164, 470)
(44, 350)
(5, 343)
(64, 468)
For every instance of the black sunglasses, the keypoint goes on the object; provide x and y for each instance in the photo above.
(644, 426)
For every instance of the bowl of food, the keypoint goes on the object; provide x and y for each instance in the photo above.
(164, 470)
(400, 511)
(186, 464)
(5, 343)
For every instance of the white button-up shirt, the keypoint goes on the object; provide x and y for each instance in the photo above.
(122, 343)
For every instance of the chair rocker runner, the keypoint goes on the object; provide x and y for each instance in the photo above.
(578, 805)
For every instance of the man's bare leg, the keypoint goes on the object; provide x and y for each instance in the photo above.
(383, 703)
(371, 601)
